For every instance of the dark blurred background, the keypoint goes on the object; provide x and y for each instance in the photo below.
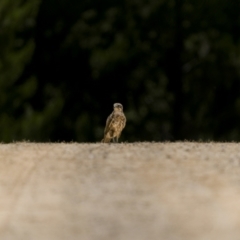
(173, 64)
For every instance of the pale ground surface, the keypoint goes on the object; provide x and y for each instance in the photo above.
(140, 191)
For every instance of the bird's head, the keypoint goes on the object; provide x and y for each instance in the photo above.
(118, 107)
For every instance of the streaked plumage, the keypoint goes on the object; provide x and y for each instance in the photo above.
(115, 124)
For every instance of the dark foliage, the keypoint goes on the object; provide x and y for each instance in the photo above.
(173, 64)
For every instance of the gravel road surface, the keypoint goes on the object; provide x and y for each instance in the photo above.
(126, 191)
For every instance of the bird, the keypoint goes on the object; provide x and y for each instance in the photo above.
(115, 123)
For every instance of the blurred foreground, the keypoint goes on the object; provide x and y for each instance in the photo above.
(138, 191)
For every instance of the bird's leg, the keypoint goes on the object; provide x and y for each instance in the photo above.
(118, 136)
(111, 136)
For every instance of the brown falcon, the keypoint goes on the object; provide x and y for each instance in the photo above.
(115, 124)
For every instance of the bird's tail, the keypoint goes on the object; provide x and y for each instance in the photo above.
(106, 140)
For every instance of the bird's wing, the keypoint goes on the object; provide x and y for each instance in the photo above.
(108, 123)
(124, 121)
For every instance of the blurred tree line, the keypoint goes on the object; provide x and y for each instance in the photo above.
(173, 64)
